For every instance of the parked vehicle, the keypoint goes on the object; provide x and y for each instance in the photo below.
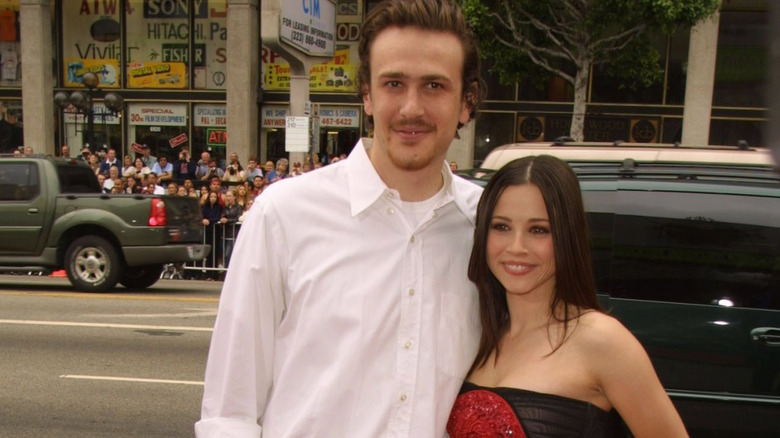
(54, 216)
(687, 256)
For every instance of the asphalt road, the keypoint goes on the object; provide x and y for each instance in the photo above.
(120, 364)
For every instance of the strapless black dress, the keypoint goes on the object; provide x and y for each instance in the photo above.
(518, 413)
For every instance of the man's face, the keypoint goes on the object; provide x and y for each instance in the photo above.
(415, 98)
(163, 161)
(65, 151)
(205, 157)
(269, 166)
(111, 155)
(251, 164)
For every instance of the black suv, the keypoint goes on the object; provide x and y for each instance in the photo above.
(687, 256)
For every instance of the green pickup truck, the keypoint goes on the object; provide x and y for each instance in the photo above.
(53, 216)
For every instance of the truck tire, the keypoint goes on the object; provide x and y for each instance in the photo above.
(141, 277)
(92, 264)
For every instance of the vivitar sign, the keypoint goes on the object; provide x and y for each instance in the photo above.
(310, 26)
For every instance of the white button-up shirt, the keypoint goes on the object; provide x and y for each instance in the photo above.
(337, 318)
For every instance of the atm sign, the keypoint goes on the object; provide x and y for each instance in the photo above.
(216, 137)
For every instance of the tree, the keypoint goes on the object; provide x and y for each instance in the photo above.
(541, 38)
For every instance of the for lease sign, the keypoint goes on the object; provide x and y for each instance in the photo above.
(310, 26)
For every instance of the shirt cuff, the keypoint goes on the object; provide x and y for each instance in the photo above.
(226, 428)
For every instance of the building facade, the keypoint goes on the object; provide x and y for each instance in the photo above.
(194, 73)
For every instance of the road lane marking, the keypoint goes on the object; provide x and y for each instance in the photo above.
(132, 379)
(198, 312)
(105, 325)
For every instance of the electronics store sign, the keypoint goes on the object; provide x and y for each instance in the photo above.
(310, 26)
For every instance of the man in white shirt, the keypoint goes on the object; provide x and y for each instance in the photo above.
(347, 311)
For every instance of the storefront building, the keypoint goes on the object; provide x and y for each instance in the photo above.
(172, 62)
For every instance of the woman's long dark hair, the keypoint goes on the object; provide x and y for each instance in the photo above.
(574, 283)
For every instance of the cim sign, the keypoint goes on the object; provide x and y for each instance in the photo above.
(310, 26)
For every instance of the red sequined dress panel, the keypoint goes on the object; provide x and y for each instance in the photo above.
(511, 412)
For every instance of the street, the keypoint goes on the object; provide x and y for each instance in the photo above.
(120, 364)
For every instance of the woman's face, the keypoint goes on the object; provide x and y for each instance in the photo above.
(520, 243)
(213, 197)
(128, 161)
(242, 190)
(139, 164)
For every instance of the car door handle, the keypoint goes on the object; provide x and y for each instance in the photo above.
(769, 336)
(32, 210)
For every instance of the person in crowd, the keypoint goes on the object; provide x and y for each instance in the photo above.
(132, 185)
(173, 188)
(187, 184)
(101, 182)
(453, 166)
(230, 214)
(550, 361)
(28, 150)
(163, 169)
(94, 164)
(214, 171)
(215, 186)
(119, 186)
(242, 196)
(127, 165)
(234, 172)
(110, 161)
(203, 195)
(249, 205)
(280, 172)
(257, 186)
(202, 168)
(113, 175)
(65, 151)
(182, 191)
(151, 182)
(296, 170)
(147, 157)
(212, 213)
(252, 169)
(85, 153)
(184, 168)
(295, 331)
(137, 170)
(269, 167)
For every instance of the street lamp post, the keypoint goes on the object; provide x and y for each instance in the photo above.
(83, 102)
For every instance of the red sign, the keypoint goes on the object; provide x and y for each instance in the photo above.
(179, 139)
(137, 148)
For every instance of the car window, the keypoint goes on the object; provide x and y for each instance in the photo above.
(701, 248)
(19, 181)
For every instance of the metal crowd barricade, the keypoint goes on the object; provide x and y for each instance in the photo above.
(216, 262)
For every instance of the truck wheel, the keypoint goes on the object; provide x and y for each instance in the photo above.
(92, 264)
(141, 277)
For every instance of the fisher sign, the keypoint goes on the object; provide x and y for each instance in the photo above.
(310, 26)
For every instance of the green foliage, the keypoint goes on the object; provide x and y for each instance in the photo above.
(571, 33)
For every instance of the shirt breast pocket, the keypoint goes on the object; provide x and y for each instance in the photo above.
(459, 331)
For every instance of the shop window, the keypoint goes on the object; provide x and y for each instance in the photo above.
(209, 130)
(10, 47)
(608, 86)
(158, 41)
(11, 135)
(91, 43)
(162, 127)
(209, 63)
(492, 130)
(742, 62)
(678, 68)
(495, 89)
(731, 132)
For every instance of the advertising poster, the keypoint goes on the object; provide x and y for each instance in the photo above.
(336, 75)
(107, 71)
(156, 75)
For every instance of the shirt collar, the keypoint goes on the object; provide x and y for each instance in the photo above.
(365, 185)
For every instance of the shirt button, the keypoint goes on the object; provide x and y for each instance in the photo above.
(403, 397)
(408, 345)
(412, 239)
(390, 210)
(411, 292)
(390, 195)
(435, 214)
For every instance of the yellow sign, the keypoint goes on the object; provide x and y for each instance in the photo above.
(105, 69)
(336, 75)
(157, 75)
